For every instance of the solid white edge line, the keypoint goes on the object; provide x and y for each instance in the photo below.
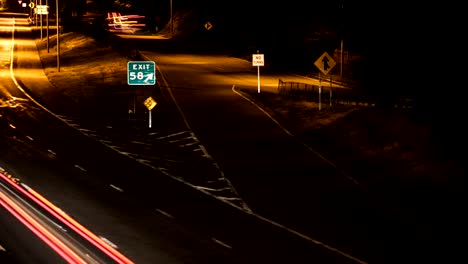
(13, 78)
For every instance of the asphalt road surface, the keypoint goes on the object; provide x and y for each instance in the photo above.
(275, 175)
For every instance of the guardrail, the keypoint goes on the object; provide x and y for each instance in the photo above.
(336, 95)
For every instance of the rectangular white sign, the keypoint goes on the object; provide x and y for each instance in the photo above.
(42, 9)
(258, 60)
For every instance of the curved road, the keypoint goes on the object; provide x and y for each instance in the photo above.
(275, 174)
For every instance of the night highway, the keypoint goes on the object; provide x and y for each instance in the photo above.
(141, 212)
(90, 173)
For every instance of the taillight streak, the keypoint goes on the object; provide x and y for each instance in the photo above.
(70, 222)
(53, 242)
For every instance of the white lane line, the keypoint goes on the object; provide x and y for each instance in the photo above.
(115, 187)
(88, 130)
(57, 225)
(108, 242)
(80, 168)
(172, 135)
(150, 158)
(52, 152)
(188, 145)
(212, 189)
(141, 143)
(180, 139)
(228, 198)
(165, 213)
(221, 243)
(301, 142)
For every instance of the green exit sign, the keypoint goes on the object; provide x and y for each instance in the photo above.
(141, 73)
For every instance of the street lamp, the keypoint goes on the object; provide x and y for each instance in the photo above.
(342, 37)
(58, 34)
(172, 20)
(40, 15)
(47, 21)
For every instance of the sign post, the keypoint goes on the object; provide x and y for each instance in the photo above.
(150, 103)
(35, 15)
(320, 92)
(141, 73)
(258, 60)
(324, 63)
(331, 90)
(31, 6)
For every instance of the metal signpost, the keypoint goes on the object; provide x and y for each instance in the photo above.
(31, 7)
(35, 15)
(324, 63)
(150, 103)
(142, 73)
(258, 60)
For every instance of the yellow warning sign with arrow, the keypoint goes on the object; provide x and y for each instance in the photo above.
(325, 63)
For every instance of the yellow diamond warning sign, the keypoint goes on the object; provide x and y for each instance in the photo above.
(150, 103)
(325, 63)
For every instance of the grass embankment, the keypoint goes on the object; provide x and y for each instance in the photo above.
(392, 153)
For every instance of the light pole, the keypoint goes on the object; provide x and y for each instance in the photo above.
(47, 21)
(342, 41)
(35, 14)
(58, 34)
(40, 16)
(172, 20)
